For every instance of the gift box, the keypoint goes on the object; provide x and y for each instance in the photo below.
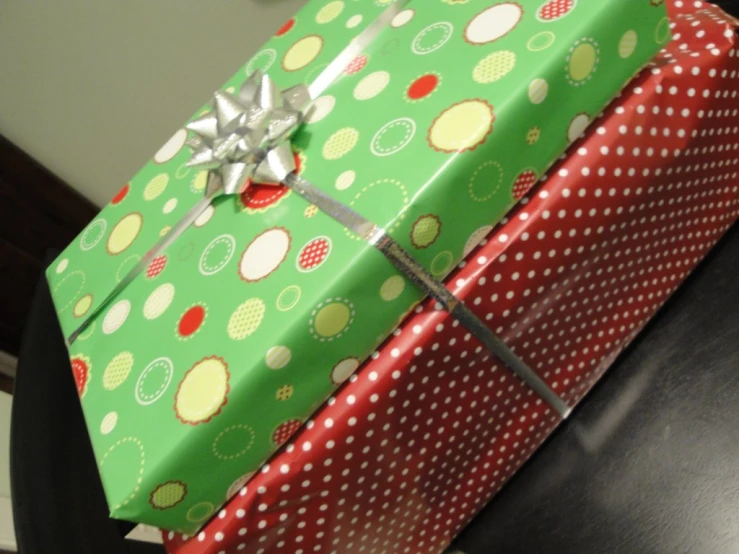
(428, 430)
(200, 349)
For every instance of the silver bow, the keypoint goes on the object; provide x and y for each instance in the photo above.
(247, 137)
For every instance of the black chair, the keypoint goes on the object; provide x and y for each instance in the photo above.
(58, 500)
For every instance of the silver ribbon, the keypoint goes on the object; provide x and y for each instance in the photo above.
(246, 139)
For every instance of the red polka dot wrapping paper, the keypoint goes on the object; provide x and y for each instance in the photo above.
(214, 355)
(429, 430)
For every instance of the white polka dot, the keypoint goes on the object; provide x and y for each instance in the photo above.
(109, 422)
(345, 180)
(577, 127)
(353, 21)
(158, 301)
(62, 265)
(171, 147)
(116, 316)
(344, 369)
(170, 205)
(204, 217)
(402, 18)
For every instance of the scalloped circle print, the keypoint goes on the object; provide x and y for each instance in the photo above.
(493, 23)
(264, 254)
(168, 495)
(203, 391)
(462, 127)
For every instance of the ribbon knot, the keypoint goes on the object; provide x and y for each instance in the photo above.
(246, 138)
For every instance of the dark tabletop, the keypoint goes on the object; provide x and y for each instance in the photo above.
(649, 461)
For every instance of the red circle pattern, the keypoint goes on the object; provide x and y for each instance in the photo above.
(356, 65)
(120, 195)
(523, 183)
(285, 430)
(81, 372)
(423, 86)
(156, 266)
(191, 321)
(314, 254)
(555, 9)
(285, 28)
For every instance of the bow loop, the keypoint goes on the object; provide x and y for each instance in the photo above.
(246, 138)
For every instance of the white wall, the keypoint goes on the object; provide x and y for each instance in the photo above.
(92, 88)
(7, 537)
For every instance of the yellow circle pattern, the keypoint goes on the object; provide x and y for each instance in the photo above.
(494, 67)
(462, 127)
(117, 370)
(392, 288)
(124, 233)
(583, 61)
(288, 298)
(627, 45)
(302, 53)
(246, 319)
(199, 181)
(82, 305)
(332, 319)
(425, 231)
(284, 392)
(168, 495)
(329, 12)
(340, 143)
(203, 391)
(156, 186)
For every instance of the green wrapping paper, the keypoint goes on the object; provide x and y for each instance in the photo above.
(213, 356)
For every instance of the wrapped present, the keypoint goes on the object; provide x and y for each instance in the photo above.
(224, 293)
(429, 429)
